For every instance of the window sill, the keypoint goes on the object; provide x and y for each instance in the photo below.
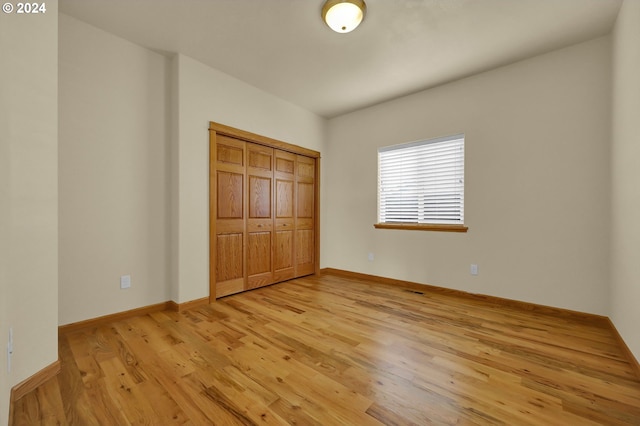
(422, 227)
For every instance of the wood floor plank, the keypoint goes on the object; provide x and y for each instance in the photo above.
(84, 403)
(329, 350)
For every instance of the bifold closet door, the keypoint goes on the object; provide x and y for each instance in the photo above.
(260, 216)
(305, 216)
(284, 250)
(262, 213)
(229, 206)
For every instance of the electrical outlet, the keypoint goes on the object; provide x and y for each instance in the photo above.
(370, 257)
(474, 269)
(125, 281)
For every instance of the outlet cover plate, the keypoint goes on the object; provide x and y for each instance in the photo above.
(125, 281)
(474, 269)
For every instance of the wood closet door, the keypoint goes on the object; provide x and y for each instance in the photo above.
(305, 216)
(260, 216)
(228, 189)
(284, 250)
(263, 211)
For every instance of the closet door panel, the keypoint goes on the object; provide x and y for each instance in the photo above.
(260, 216)
(305, 220)
(305, 249)
(229, 265)
(228, 151)
(259, 197)
(306, 168)
(228, 186)
(230, 195)
(284, 249)
(284, 198)
(259, 259)
(305, 200)
(230, 257)
(304, 252)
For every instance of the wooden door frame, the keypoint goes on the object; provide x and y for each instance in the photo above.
(221, 129)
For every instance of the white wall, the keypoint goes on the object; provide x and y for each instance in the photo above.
(625, 264)
(114, 173)
(205, 95)
(28, 195)
(5, 213)
(5, 226)
(537, 182)
(134, 168)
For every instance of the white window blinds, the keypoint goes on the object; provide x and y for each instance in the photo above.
(422, 182)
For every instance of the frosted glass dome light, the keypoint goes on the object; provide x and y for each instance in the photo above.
(343, 16)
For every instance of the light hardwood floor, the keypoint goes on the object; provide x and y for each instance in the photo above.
(331, 350)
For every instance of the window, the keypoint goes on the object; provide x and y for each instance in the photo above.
(421, 185)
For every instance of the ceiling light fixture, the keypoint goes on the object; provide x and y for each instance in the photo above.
(343, 16)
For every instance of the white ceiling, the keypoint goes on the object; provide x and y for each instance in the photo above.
(402, 46)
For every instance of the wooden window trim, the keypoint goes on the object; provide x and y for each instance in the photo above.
(422, 227)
